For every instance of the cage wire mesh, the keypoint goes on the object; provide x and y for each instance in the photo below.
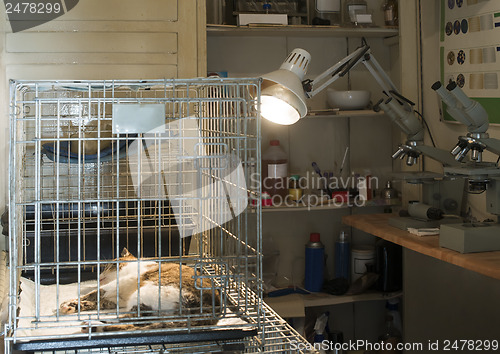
(162, 169)
(276, 336)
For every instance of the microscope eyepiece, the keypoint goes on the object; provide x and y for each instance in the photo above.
(451, 86)
(436, 86)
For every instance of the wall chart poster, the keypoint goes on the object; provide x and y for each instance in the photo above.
(470, 50)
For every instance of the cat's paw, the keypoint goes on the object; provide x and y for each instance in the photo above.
(71, 306)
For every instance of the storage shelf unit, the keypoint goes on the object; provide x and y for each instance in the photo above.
(384, 39)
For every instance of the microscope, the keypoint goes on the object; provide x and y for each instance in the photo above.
(481, 176)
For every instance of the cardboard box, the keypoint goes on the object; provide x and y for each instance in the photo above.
(270, 19)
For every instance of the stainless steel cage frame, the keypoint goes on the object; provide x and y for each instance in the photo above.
(86, 181)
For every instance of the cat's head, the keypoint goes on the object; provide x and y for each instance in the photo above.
(126, 255)
(109, 273)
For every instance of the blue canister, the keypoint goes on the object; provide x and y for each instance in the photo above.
(315, 263)
(342, 256)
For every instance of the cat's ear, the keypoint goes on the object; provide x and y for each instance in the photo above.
(125, 252)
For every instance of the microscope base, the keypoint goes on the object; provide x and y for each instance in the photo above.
(469, 238)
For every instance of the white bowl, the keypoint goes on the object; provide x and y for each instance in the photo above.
(348, 99)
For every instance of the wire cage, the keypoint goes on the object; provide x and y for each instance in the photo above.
(129, 217)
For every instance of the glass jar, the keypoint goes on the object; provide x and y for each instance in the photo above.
(391, 13)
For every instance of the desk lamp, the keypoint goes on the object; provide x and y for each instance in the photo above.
(285, 91)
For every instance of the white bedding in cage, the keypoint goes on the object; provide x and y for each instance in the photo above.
(49, 297)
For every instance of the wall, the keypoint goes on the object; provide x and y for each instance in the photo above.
(96, 40)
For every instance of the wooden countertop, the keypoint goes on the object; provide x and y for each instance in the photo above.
(486, 263)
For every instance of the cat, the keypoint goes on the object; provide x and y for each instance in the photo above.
(88, 136)
(158, 294)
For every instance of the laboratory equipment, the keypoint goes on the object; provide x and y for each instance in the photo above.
(284, 93)
(481, 176)
(320, 331)
(390, 336)
(294, 189)
(275, 170)
(353, 99)
(315, 263)
(362, 261)
(421, 215)
(342, 256)
(389, 193)
(388, 266)
(391, 15)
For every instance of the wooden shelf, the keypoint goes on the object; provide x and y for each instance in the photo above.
(323, 299)
(486, 263)
(331, 206)
(327, 114)
(301, 31)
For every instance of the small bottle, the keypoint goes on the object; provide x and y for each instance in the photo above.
(390, 336)
(320, 330)
(315, 263)
(392, 306)
(275, 170)
(342, 256)
(389, 193)
(294, 190)
(391, 13)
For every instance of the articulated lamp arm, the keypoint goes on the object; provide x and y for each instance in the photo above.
(396, 106)
(284, 94)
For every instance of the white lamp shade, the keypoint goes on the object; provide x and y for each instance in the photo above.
(283, 100)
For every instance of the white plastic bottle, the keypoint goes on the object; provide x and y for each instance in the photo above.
(275, 170)
(392, 306)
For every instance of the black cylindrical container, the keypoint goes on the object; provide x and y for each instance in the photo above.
(389, 266)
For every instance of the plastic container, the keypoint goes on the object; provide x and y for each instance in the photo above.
(315, 263)
(294, 190)
(389, 266)
(390, 336)
(327, 12)
(362, 257)
(320, 330)
(392, 306)
(275, 170)
(342, 256)
(351, 8)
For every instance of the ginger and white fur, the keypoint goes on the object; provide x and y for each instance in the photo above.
(159, 292)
